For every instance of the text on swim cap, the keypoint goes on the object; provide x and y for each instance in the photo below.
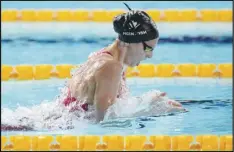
(132, 33)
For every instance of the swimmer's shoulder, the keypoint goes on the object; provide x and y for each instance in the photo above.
(111, 66)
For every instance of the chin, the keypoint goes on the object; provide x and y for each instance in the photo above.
(129, 64)
(132, 64)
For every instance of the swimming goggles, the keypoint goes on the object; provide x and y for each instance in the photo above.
(147, 48)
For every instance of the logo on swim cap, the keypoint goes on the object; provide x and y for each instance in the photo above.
(133, 24)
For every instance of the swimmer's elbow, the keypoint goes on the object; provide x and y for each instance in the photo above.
(100, 113)
(99, 118)
(102, 105)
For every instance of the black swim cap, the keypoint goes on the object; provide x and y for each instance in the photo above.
(135, 26)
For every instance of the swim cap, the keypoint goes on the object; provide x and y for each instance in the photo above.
(135, 26)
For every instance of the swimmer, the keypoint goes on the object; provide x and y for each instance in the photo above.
(101, 79)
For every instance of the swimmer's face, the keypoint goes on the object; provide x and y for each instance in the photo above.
(138, 52)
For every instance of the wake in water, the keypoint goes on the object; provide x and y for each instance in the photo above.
(142, 106)
(53, 115)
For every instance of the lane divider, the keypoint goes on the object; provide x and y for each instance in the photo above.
(117, 142)
(102, 15)
(61, 71)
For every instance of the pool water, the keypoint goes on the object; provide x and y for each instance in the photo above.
(210, 109)
(113, 4)
(210, 106)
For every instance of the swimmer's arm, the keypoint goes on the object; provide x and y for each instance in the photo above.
(107, 84)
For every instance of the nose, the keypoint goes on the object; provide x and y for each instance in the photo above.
(149, 54)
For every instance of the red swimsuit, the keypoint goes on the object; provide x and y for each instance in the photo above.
(70, 99)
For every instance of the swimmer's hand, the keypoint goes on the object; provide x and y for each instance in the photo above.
(174, 106)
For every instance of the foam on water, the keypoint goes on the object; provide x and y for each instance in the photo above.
(140, 106)
(53, 116)
(43, 116)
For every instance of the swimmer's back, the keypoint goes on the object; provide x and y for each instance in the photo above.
(83, 83)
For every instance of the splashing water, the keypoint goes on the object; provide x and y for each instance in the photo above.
(140, 106)
(47, 115)
(52, 115)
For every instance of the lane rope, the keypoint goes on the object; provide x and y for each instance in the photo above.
(116, 142)
(102, 15)
(62, 71)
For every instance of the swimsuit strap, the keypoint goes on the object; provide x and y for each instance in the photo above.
(107, 52)
(103, 50)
